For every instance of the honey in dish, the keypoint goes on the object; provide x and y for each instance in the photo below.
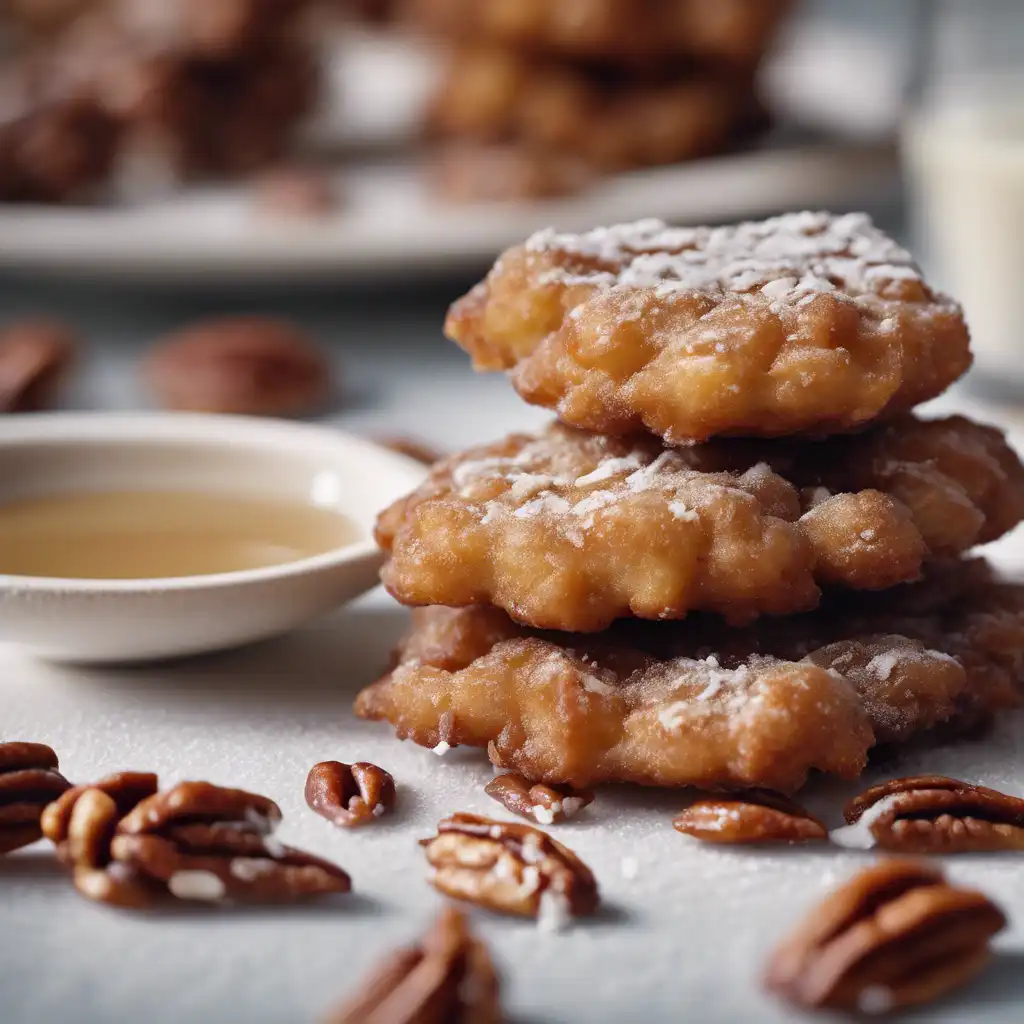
(149, 534)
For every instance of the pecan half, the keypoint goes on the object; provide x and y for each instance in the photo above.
(29, 780)
(896, 935)
(545, 804)
(755, 816)
(81, 824)
(509, 868)
(349, 794)
(243, 364)
(935, 814)
(448, 977)
(33, 357)
(206, 842)
(123, 789)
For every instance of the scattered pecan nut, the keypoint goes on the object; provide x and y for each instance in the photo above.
(250, 365)
(545, 804)
(449, 976)
(349, 794)
(206, 842)
(81, 824)
(123, 789)
(509, 868)
(896, 935)
(34, 355)
(935, 814)
(29, 780)
(754, 816)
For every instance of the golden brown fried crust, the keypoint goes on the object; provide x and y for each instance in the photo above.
(617, 31)
(570, 530)
(696, 703)
(610, 124)
(806, 323)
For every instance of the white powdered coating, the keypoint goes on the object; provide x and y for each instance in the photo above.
(680, 511)
(630, 868)
(715, 679)
(609, 468)
(274, 847)
(196, 885)
(858, 835)
(571, 806)
(554, 913)
(531, 881)
(546, 815)
(875, 999)
(594, 685)
(787, 259)
(881, 665)
(378, 810)
(546, 477)
(248, 869)
(262, 823)
(442, 748)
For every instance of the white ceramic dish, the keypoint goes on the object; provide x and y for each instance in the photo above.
(133, 620)
(390, 224)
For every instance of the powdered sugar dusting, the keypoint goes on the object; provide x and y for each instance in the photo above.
(786, 259)
(715, 680)
(858, 835)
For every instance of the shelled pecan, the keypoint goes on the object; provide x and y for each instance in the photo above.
(81, 824)
(130, 844)
(448, 977)
(123, 789)
(207, 842)
(896, 935)
(935, 814)
(545, 804)
(349, 794)
(754, 816)
(509, 868)
(29, 780)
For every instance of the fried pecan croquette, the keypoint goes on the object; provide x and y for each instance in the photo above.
(695, 703)
(570, 530)
(609, 122)
(616, 31)
(805, 323)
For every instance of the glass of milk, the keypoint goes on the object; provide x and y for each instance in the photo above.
(963, 148)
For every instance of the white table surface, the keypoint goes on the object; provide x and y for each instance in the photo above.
(685, 939)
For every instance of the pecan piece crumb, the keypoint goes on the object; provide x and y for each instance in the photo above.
(896, 935)
(509, 868)
(29, 780)
(933, 814)
(545, 804)
(448, 977)
(349, 794)
(754, 816)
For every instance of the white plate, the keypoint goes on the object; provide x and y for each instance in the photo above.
(389, 224)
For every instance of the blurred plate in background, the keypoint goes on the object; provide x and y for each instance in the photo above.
(387, 222)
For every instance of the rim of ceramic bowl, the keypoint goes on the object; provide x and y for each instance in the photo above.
(136, 430)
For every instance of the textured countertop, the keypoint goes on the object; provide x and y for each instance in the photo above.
(684, 930)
